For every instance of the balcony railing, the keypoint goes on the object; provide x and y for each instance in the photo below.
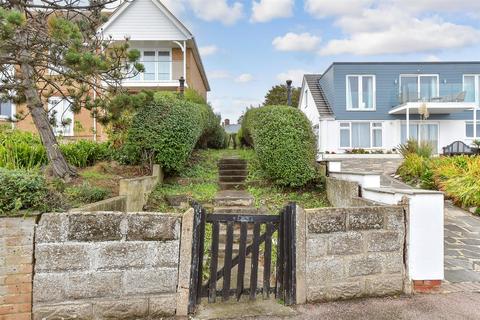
(158, 72)
(448, 93)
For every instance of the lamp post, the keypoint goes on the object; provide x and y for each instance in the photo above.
(182, 86)
(289, 93)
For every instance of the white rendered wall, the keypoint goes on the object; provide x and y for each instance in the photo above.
(307, 105)
(363, 179)
(425, 230)
(449, 131)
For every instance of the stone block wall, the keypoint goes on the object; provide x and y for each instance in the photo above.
(341, 192)
(354, 252)
(16, 260)
(106, 265)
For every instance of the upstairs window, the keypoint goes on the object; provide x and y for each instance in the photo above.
(361, 92)
(418, 87)
(157, 64)
(471, 86)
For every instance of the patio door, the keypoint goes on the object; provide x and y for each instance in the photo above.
(422, 132)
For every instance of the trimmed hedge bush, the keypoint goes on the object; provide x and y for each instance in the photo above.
(21, 190)
(284, 143)
(167, 131)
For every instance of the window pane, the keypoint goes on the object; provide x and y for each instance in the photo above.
(352, 92)
(344, 138)
(163, 65)
(367, 88)
(62, 117)
(149, 64)
(6, 108)
(469, 88)
(469, 129)
(360, 135)
(413, 132)
(428, 87)
(377, 138)
(409, 89)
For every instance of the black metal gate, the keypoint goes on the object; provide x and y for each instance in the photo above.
(255, 237)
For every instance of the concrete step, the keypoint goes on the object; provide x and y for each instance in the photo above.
(232, 185)
(232, 166)
(226, 172)
(224, 178)
(233, 198)
(235, 210)
(232, 161)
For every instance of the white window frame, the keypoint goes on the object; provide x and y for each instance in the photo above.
(465, 131)
(72, 124)
(156, 50)
(477, 82)
(12, 112)
(372, 128)
(419, 75)
(360, 92)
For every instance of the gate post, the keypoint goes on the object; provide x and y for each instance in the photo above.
(301, 259)
(184, 269)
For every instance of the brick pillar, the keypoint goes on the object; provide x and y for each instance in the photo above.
(16, 260)
(423, 286)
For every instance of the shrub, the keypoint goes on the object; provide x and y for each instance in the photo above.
(412, 168)
(423, 149)
(24, 150)
(85, 153)
(80, 195)
(284, 143)
(167, 131)
(21, 150)
(21, 190)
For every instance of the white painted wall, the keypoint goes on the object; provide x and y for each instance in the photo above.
(307, 105)
(425, 230)
(143, 20)
(365, 180)
(449, 131)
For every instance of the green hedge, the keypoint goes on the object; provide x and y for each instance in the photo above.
(168, 130)
(284, 143)
(21, 190)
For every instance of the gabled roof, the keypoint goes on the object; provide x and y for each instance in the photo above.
(186, 35)
(316, 90)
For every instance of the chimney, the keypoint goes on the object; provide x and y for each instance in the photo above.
(182, 86)
(227, 122)
(289, 92)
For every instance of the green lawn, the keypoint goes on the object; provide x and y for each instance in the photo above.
(200, 177)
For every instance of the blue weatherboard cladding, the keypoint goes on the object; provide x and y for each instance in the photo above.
(387, 75)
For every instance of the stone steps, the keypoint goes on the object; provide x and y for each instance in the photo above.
(225, 178)
(232, 185)
(233, 198)
(234, 172)
(232, 166)
(235, 210)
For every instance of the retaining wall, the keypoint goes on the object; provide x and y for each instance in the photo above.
(352, 252)
(106, 265)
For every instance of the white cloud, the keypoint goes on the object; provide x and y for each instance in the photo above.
(217, 10)
(177, 7)
(266, 10)
(208, 50)
(219, 74)
(296, 42)
(244, 78)
(407, 35)
(324, 8)
(296, 75)
(233, 107)
(432, 58)
(439, 5)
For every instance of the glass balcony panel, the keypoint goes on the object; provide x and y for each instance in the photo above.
(428, 87)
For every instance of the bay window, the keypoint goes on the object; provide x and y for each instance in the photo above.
(61, 116)
(361, 92)
(363, 135)
(471, 86)
(157, 65)
(418, 87)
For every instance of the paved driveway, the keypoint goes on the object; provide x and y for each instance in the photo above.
(462, 245)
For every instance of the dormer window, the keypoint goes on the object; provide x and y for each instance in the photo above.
(361, 92)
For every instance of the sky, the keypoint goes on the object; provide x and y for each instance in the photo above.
(251, 45)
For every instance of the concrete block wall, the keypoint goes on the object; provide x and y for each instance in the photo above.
(354, 252)
(106, 265)
(16, 261)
